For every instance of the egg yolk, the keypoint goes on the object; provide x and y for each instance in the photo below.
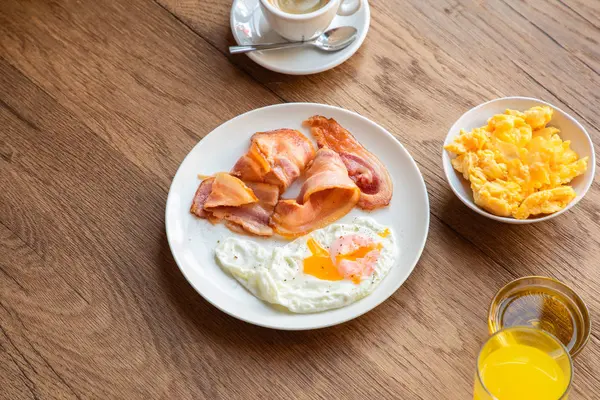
(320, 264)
(385, 233)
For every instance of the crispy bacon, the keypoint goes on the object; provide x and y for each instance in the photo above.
(228, 190)
(200, 198)
(364, 168)
(327, 195)
(254, 217)
(243, 208)
(220, 190)
(277, 157)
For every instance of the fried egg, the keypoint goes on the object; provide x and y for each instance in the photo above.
(517, 165)
(326, 269)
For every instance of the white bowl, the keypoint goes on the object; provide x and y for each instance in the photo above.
(570, 129)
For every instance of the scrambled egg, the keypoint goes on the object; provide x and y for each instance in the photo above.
(516, 165)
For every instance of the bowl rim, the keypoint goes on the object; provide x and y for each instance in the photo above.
(448, 169)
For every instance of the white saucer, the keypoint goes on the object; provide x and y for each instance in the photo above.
(249, 26)
(193, 240)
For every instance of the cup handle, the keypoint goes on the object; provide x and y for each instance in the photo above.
(349, 7)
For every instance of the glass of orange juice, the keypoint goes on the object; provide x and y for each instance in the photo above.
(523, 363)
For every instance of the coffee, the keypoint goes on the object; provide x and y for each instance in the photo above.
(299, 6)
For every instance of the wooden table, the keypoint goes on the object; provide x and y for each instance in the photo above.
(101, 100)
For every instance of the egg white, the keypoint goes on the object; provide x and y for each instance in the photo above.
(276, 276)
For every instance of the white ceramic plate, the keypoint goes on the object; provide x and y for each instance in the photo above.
(193, 240)
(249, 26)
(569, 128)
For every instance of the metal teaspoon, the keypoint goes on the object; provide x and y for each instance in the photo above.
(332, 40)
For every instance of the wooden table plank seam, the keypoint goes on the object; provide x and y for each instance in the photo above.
(476, 247)
(35, 251)
(44, 359)
(32, 125)
(566, 4)
(523, 70)
(224, 53)
(549, 36)
(570, 109)
(28, 382)
(24, 119)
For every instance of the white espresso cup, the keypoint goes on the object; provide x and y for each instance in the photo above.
(300, 27)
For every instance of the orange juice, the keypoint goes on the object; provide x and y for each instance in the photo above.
(521, 372)
(523, 363)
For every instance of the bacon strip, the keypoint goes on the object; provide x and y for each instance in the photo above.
(364, 168)
(227, 190)
(276, 157)
(200, 198)
(244, 208)
(327, 195)
(252, 218)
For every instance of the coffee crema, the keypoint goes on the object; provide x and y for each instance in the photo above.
(299, 6)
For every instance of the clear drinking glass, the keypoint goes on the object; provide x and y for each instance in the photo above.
(543, 303)
(523, 363)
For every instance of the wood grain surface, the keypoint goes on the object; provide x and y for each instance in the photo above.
(100, 102)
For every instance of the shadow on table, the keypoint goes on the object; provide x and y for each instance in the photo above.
(460, 217)
(508, 244)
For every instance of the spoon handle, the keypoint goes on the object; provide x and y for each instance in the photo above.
(266, 46)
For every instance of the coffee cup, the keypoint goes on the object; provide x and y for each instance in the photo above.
(305, 26)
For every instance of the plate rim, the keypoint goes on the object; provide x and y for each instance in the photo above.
(419, 253)
(254, 56)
